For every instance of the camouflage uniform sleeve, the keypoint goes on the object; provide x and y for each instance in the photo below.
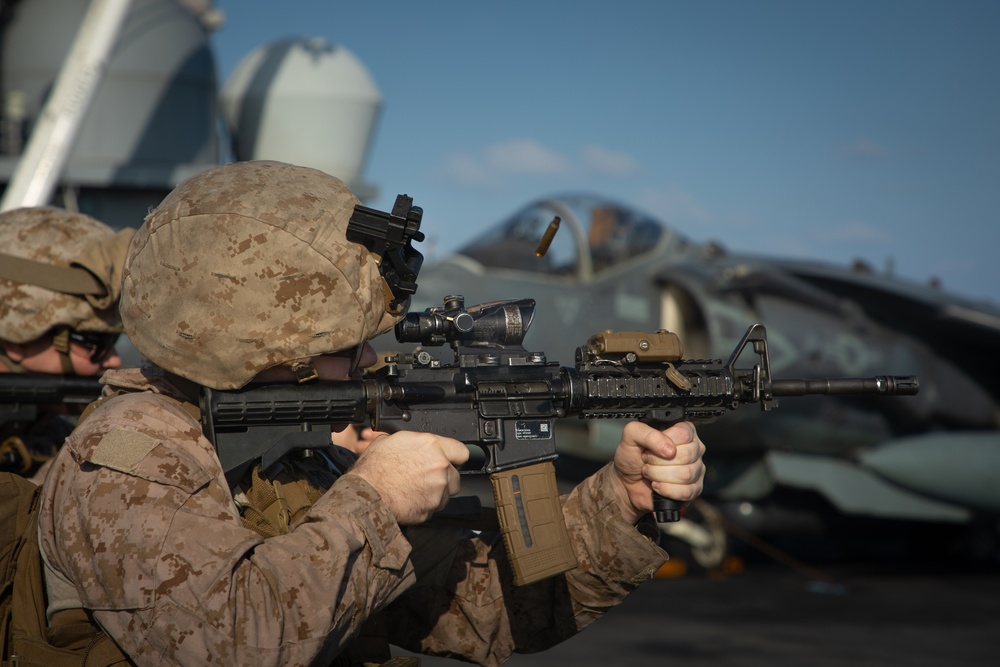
(137, 515)
(476, 613)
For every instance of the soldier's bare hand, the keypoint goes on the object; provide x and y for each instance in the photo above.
(355, 438)
(668, 462)
(415, 473)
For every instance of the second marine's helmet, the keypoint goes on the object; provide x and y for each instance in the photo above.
(58, 269)
(245, 267)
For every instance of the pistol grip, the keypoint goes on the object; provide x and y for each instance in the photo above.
(531, 522)
(665, 509)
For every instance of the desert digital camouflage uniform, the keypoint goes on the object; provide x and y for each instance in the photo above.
(57, 269)
(150, 538)
(139, 526)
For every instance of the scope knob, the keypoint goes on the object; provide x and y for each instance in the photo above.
(463, 323)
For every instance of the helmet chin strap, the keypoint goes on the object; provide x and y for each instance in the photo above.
(304, 370)
(11, 365)
(354, 372)
(60, 341)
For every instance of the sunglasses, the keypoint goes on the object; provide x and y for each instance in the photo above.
(100, 345)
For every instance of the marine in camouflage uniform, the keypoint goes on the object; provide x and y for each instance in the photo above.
(60, 277)
(243, 273)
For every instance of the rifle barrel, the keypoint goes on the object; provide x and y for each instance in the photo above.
(17, 388)
(885, 385)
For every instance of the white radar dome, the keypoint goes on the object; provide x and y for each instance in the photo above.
(304, 101)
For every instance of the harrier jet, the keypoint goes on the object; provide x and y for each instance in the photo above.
(933, 458)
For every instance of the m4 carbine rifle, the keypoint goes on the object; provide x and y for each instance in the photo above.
(505, 400)
(21, 397)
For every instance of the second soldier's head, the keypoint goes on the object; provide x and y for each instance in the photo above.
(60, 277)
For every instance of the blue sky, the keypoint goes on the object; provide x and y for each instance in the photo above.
(839, 130)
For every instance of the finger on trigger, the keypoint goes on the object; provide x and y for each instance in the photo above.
(455, 451)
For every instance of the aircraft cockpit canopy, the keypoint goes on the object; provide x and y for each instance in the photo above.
(594, 235)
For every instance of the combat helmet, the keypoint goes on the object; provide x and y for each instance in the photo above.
(58, 270)
(246, 266)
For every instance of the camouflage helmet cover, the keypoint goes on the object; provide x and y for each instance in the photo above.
(59, 238)
(246, 266)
